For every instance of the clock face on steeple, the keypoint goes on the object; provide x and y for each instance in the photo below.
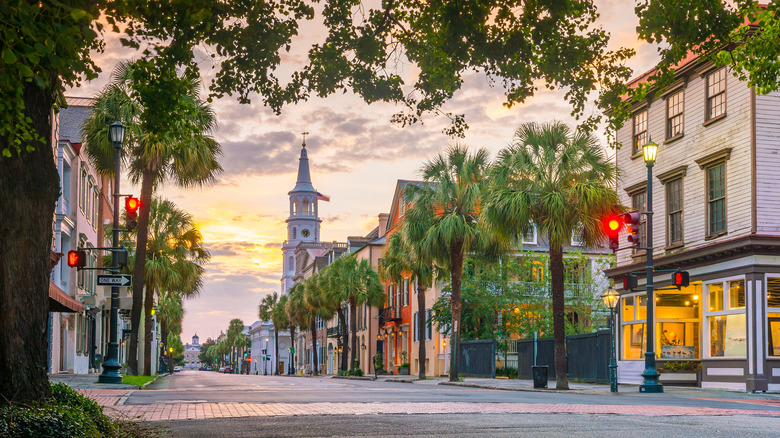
(305, 232)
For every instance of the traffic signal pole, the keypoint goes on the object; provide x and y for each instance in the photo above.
(110, 372)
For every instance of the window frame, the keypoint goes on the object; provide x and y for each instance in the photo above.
(706, 314)
(767, 333)
(670, 117)
(708, 117)
(708, 214)
(535, 240)
(635, 135)
(667, 201)
(635, 321)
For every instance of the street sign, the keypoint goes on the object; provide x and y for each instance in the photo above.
(115, 280)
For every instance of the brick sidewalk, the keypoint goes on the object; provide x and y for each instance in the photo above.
(113, 400)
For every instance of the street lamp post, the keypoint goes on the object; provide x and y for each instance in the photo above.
(611, 299)
(110, 374)
(650, 375)
(265, 368)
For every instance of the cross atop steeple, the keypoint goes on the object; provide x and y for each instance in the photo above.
(304, 134)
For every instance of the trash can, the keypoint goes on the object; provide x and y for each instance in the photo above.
(540, 376)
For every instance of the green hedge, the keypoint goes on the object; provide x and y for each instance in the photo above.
(67, 414)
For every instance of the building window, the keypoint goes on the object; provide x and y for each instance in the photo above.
(82, 186)
(716, 199)
(290, 264)
(416, 334)
(639, 203)
(674, 114)
(726, 318)
(295, 233)
(640, 131)
(674, 211)
(773, 315)
(716, 94)
(428, 325)
(405, 292)
(401, 206)
(577, 238)
(633, 320)
(530, 237)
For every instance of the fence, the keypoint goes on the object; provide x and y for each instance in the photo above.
(477, 358)
(587, 356)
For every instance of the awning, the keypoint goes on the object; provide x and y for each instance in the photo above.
(59, 301)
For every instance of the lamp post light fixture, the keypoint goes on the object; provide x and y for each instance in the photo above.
(611, 299)
(650, 384)
(110, 374)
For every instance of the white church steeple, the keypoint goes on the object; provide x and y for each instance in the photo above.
(303, 224)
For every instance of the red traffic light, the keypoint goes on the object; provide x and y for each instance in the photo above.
(77, 259)
(132, 204)
(680, 278)
(612, 226)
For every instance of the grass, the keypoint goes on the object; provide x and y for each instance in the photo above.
(136, 380)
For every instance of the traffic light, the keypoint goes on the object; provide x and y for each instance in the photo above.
(680, 278)
(77, 259)
(632, 227)
(131, 212)
(245, 354)
(612, 226)
(630, 282)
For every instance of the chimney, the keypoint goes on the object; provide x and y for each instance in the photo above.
(383, 217)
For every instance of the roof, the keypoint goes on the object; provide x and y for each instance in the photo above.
(303, 183)
(72, 117)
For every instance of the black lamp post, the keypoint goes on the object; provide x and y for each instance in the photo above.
(650, 383)
(611, 299)
(110, 374)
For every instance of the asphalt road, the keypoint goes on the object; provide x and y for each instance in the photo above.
(196, 387)
(211, 387)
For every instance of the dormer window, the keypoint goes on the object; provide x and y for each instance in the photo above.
(401, 206)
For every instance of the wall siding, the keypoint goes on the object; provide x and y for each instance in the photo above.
(698, 141)
(767, 164)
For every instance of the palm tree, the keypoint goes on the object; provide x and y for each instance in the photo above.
(335, 297)
(170, 313)
(272, 309)
(174, 260)
(297, 311)
(561, 181)
(235, 329)
(178, 149)
(318, 307)
(404, 256)
(443, 219)
(360, 285)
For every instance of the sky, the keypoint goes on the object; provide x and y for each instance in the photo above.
(356, 156)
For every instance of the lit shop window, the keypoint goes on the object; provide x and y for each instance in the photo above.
(726, 318)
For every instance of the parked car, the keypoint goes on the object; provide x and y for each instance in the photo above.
(227, 370)
(221, 369)
(177, 369)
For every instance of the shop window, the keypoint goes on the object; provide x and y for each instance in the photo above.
(677, 328)
(726, 326)
(773, 292)
(634, 341)
(628, 308)
(773, 315)
(774, 334)
(641, 307)
(737, 294)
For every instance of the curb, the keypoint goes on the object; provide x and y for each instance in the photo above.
(501, 388)
(156, 378)
(353, 378)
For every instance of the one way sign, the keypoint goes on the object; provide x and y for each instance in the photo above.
(114, 280)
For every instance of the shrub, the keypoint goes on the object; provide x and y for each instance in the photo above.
(405, 365)
(356, 372)
(46, 420)
(65, 395)
(510, 372)
(681, 366)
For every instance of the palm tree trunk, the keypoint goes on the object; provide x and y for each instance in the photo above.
(29, 187)
(353, 334)
(147, 182)
(164, 336)
(344, 335)
(422, 329)
(559, 322)
(456, 264)
(292, 345)
(315, 364)
(149, 300)
(276, 351)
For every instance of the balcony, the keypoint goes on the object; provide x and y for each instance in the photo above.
(389, 314)
(333, 332)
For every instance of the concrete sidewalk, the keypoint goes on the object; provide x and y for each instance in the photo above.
(87, 381)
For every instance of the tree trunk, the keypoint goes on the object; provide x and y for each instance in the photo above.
(164, 336)
(147, 182)
(456, 254)
(344, 335)
(422, 329)
(353, 333)
(559, 322)
(276, 352)
(148, 302)
(315, 364)
(292, 345)
(29, 187)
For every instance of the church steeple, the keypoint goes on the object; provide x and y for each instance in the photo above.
(303, 224)
(303, 183)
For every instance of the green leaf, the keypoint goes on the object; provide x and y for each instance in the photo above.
(8, 56)
(25, 71)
